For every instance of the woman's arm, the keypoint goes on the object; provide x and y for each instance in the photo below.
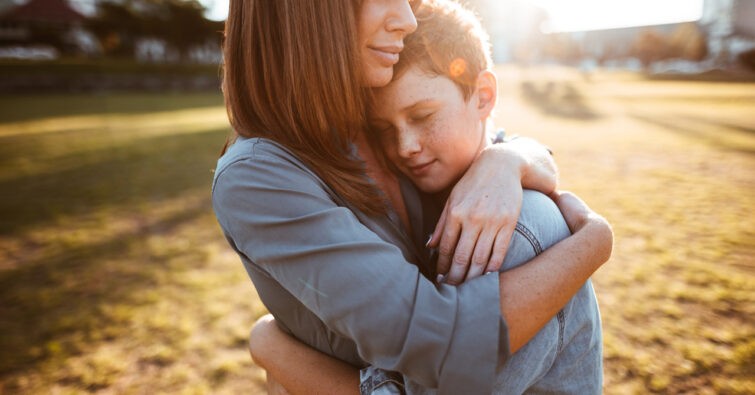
(533, 293)
(476, 225)
(296, 367)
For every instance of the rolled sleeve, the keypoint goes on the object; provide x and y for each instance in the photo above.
(280, 218)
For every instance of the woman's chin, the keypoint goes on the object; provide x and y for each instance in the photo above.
(378, 77)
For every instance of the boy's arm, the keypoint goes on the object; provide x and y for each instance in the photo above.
(477, 223)
(296, 367)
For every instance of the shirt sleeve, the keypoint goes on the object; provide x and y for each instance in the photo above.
(282, 219)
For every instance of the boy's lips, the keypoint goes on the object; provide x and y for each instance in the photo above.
(421, 169)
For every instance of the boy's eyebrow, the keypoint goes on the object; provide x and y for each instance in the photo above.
(419, 103)
(410, 107)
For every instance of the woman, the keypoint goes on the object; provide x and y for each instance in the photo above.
(328, 254)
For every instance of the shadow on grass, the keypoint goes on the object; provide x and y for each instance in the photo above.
(134, 173)
(723, 124)
(62, 301)
(560, 99)
(707, 76)
(714, 138)
(15, 108)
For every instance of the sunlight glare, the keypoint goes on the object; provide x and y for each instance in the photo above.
(581, 15)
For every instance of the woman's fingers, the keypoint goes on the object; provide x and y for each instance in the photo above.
(446, 243)
(482, 253)
(500, 247)
(472, 241)
(462, 255)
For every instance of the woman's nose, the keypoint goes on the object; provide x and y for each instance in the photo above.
(402, 19)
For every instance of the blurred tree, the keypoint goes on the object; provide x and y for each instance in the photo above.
(747, 59)
(181, 24)
(688, 41)
(117, 28)
(650, 46)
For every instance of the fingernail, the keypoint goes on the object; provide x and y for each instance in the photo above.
(429, 239)
(440, 279)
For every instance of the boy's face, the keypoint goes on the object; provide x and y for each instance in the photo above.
(427, 128)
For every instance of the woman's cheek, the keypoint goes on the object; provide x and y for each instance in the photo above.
(388, 144)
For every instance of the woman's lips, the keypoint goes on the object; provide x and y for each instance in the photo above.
(387, 56)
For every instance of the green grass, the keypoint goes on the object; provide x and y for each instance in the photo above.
(113, 273)
(115, 278)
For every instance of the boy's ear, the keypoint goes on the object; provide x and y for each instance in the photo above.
(486, 92)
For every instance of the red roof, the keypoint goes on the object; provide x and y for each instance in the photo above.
(44, 11)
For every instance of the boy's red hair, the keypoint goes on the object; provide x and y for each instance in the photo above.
(449, 41)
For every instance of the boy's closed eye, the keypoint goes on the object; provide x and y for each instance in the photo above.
(422, 116)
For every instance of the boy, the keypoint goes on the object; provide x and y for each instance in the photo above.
(432, 121)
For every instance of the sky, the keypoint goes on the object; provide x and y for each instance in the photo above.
(581, 15)
(577, 15)
(217, 9)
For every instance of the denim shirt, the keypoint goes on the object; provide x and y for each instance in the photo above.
(342, 282)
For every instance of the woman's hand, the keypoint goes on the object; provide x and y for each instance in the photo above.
(475, 227)
(578, 216)
(575, 211)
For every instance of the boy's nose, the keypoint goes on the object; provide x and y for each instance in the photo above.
(408, 143)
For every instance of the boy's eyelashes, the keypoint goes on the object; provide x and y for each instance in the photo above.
(384, 127)
(423, 116)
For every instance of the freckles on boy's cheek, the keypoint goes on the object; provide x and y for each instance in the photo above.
(435, 131)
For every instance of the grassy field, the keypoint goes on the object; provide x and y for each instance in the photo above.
(115, 278)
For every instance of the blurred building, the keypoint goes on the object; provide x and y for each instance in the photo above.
(730, 25)
(40, 24)
(518, 31)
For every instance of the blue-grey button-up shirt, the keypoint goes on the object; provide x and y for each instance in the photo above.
(342, 282)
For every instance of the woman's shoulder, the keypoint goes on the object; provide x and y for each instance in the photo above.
(259, 153)
(254, 148)
(253, 163)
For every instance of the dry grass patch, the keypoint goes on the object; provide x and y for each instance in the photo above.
(115, 278)
(670, 164)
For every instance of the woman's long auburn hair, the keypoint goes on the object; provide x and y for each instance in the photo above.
(292, 74)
